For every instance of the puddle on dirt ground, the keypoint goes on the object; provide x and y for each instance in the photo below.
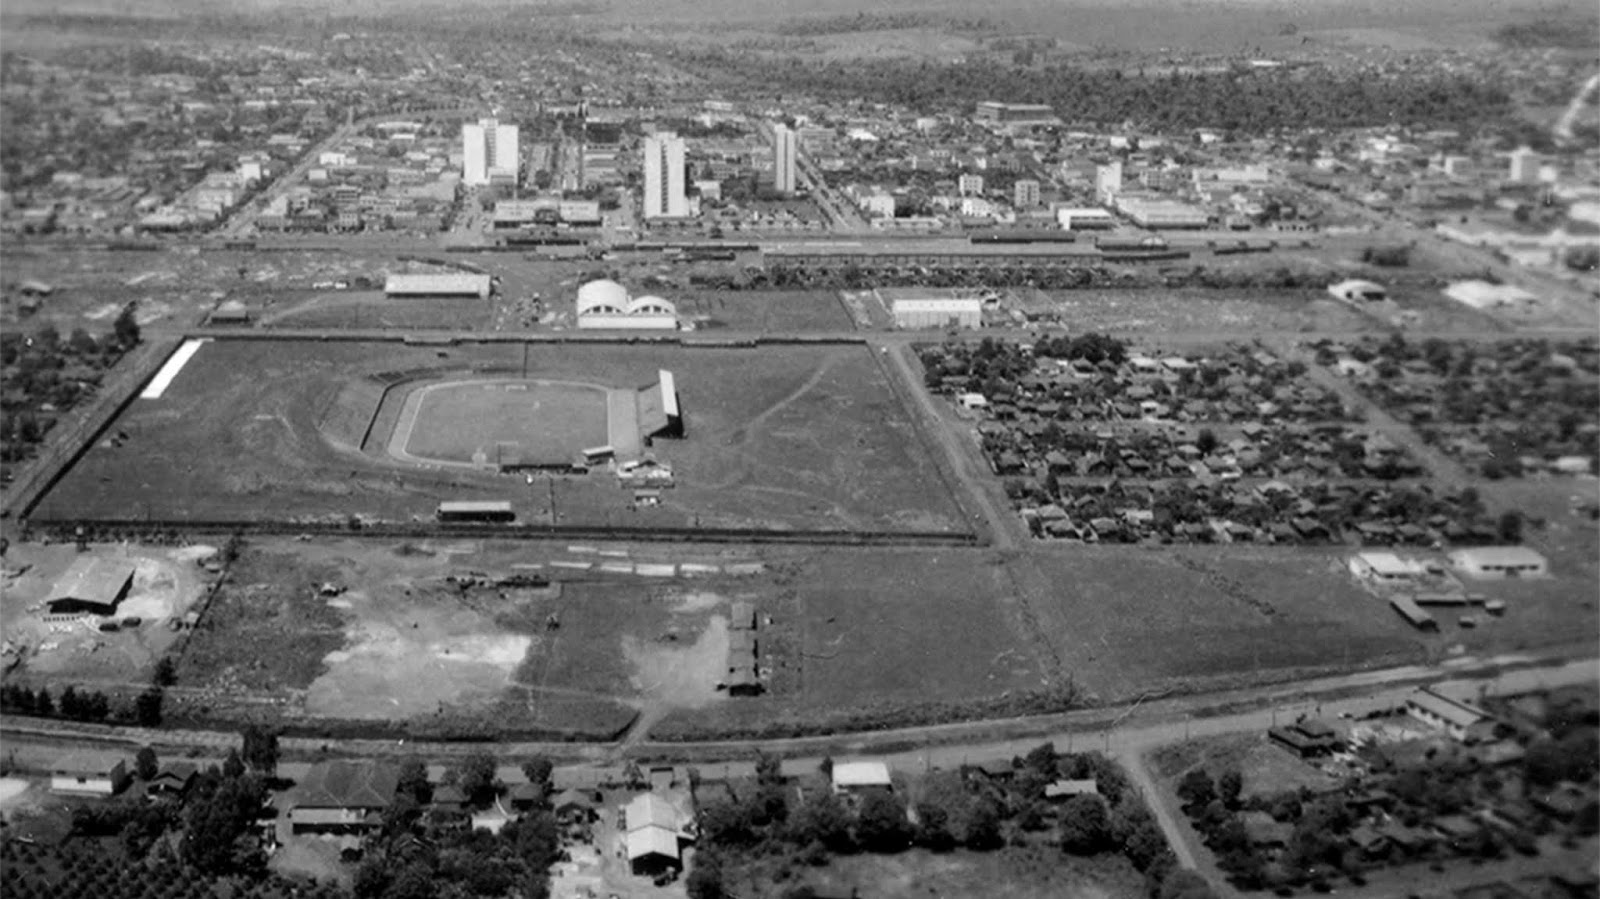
(680, 674)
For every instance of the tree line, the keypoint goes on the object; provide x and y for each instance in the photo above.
(1235, 100)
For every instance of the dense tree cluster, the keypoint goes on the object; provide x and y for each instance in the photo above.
(1237, 100)
(1491, 405)
(73, 704)
(970, 809)
(45, 375)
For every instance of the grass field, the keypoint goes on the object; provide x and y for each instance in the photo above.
(765, 430)
(1203, 310)
(767, 310)
(472, 422)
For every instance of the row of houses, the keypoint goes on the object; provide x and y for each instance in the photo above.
(1269, 512)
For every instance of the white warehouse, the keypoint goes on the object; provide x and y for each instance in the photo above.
(605, 304)
(919, 309)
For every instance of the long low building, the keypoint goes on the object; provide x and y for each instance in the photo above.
(93, 585)
(455, 285)
(927, 308)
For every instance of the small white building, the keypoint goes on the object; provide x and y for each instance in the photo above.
(1462, 721)
(1385, 567)
(850, 777)
(455, 285)
(89, 773)
(1496, 562)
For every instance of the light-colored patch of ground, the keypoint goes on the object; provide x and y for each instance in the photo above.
(695, 601)
(677, 675)
(404, 658)
(11, 792)
(304, 856)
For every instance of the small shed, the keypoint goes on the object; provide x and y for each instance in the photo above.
(851, 777)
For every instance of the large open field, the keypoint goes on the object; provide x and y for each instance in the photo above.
(245, 433)
(467, 422)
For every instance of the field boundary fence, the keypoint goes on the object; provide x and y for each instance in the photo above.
(70, 439)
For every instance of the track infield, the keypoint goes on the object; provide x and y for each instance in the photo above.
(483, 422)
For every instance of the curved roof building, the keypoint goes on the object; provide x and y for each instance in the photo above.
(602, 296)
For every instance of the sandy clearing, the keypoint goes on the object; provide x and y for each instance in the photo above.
(671, 674)
(11, 790)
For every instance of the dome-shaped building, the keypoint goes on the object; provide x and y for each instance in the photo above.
(602, 297)
(652, 305)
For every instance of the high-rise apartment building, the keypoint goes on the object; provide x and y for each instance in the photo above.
(489, 150)
(784, 149)
(664, 195)
(1025, 194)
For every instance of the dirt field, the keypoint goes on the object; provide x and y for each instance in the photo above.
(166, 583)
(1014, 872)
(1215, 311)
(762, 445)
(773, 311)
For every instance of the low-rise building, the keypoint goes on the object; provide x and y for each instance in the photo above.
(89, 773)
(1497, 562)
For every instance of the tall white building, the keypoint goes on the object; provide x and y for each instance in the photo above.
(1524, 166)
(489, 149)
(664, 195)
(1108, 182)
(784, 149)
(1025, 194)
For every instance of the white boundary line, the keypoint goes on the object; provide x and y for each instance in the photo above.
(169, 370)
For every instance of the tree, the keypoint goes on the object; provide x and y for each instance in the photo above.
(147, 708)
(933, 827)
(983, 825)
(166, 673)
(881, 825)
(1206, 441)
(126, 327)
(1183, 883)
(538, 771)
(43, 706)
(477, 777)
(412, 780)
(821, 818)
(1510, 527)
(233, 765)
(145, 763)
(261, 749)
(71, 705)
(1196, 789)
(1085, 825)
(705, 878)
(1229, 786)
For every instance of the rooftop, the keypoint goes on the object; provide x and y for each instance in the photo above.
(345, 784)
(860, 774)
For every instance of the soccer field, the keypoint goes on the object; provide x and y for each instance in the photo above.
(489, 422)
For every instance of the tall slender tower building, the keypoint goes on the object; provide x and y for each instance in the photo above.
(784, 149)
(664, 195)
(488, 148)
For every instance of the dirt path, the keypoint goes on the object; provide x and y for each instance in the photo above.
(1439, 465)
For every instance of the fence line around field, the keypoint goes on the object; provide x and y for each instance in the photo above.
(70, 439)
(422, 530)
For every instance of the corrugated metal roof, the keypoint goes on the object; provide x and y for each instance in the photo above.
(652, 841)
(452, 283)
(93, 579)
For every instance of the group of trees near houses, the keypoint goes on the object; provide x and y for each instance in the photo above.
(45, 374)
(966, 809)
(434, 854)
(1237, 100)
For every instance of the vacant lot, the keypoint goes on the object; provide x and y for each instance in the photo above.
(771, 311)
(767, 429)
(1206, 312)
(1032, 871)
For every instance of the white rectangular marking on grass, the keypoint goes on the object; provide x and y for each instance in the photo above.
(575, 566)
(174, 364)
(655, 569)
(694, 568)
(614, 553)
(617, 567)
(576, 550)
(532, 566)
